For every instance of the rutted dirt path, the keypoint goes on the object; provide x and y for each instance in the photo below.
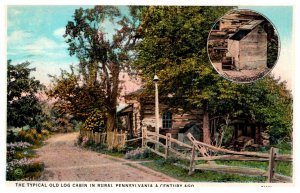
(66, 162)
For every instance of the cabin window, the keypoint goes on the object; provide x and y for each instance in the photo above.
(167, 120)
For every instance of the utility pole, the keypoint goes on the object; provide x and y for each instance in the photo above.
(155, 80)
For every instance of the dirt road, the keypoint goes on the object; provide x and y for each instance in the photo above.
(66, 162)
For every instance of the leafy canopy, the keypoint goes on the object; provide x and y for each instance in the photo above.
(174, 47)
(23, 106)
(101, 60)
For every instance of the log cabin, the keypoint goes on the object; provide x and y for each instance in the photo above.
(139, 113)
(248, 46)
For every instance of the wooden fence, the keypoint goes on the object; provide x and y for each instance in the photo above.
(200, 151)
(111, 139)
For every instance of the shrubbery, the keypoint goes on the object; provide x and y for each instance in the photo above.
(95, 122)
(20, 166)
(139, 153)
(32, 136)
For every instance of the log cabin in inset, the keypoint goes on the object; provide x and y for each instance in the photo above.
(248, 46)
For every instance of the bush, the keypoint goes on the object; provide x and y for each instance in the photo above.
(17, 150)
(84, 141)
(45, 132)
(139, 153)
(23, 168)
(32, 136)
(95, 122)
(19, 166)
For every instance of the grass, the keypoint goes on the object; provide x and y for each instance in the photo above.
(167, 167)
(284, 168)
(100, 148)
(204, 176)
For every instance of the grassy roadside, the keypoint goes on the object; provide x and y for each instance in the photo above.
(204, 176)
(167, 167)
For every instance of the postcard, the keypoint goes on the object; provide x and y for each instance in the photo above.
(149, 96)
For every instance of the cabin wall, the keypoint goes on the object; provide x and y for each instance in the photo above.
(234, 51)
(253, 50)
(136, 116)
(179, 119)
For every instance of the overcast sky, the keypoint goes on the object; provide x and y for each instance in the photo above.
(34, 34)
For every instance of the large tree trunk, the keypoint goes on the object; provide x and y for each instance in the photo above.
(205, 128)
(111, 120)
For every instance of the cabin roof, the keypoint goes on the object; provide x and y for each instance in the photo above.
(136, 92)
(251, 24)
(121, 107)
(245, 30)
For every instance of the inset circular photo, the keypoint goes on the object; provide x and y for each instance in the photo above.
(243, 46)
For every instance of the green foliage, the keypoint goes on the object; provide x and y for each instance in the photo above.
(23, 107)
(270, 102)
(24, 170)
(95, 122)
(174, 47)
(73, 98)
(32, 136)
(101, 60)
(284, 168)
(137, 154)
(199, 176)
(273, 51)
(20, 166)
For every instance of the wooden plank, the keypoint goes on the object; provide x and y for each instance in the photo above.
(135, 139)
(192, 160)
(156, 152)
(179, 154)
(155, 134)
(144, 135)
(272, 165)
(284, 157)
(181, 143)
(168, 144)
(231, 157)
(155, 142)
(282, 178)
(232, 169)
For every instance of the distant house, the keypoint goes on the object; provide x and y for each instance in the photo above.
(248, 46)
(139, 113)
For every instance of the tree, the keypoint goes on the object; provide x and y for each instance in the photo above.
(23, 106)
(270, 102)
(73, 97)
(174, 46)
(102, 58)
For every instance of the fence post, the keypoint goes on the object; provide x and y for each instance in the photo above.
(192, 161)
(168, 144)
(272, 165)
(144, 135)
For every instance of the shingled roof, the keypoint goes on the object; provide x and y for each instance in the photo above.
(245, 29)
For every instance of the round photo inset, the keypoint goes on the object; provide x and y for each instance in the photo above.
(243, 46)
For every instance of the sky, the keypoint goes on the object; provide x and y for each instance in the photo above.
(34, 34)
